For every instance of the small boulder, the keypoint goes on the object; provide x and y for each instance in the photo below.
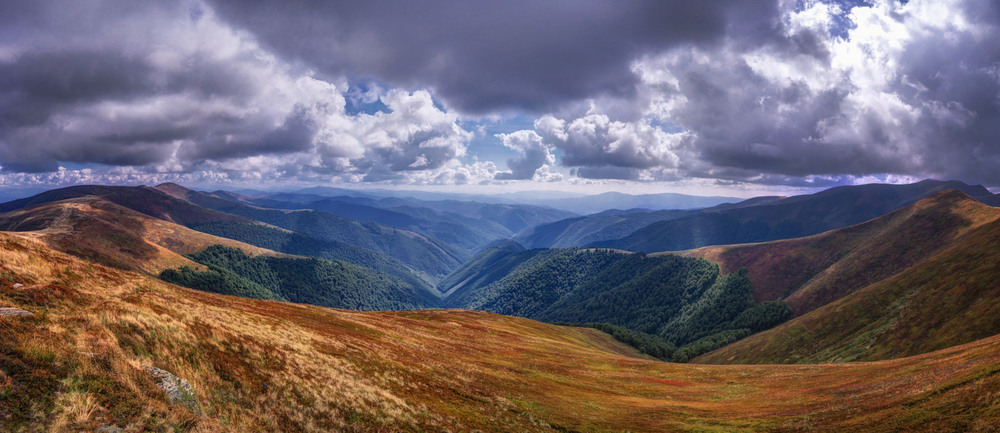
(178, 390)
(15, 312)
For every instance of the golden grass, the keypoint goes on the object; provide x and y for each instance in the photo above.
(94, 228)
(268, 366)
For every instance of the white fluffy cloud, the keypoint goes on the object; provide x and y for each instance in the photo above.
(534, 160)
(594, 145)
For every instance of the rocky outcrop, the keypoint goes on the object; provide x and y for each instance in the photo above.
(178, 390)
(15, 312)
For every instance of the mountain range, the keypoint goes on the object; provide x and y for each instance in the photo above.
(902, 276)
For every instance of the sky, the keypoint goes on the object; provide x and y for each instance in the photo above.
(714, 96)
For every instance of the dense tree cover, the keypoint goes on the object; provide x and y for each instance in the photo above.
(296, 243)
(763, 316)
(646, 343)
(684, 301)
(310, 281)
(708, 344)
(218, 280)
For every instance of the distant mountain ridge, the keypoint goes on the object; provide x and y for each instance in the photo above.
(468, 226)
(786, 218)
(575, 202)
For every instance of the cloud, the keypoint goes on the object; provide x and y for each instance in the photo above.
(483, 56)
(910, 89)
(764, 91)
(172, 88)
(596, 142)
(533, 156)
(414, 135)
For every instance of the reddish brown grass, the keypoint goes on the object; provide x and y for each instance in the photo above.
(269, 366)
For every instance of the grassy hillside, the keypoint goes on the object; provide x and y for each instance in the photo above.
(308, 281)
(685, 301)
(96, 229)
(253, 365)
(787, 218)
(143, 199)
(813, 271)
(948, 299)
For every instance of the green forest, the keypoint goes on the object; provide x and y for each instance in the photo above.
(308, 280)
(685, 302)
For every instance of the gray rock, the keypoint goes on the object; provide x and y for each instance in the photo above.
(178, 390)
(15, 312)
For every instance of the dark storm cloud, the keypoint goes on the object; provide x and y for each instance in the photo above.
(956, 84)
(481, 56)
(91, 82)
(743, 120)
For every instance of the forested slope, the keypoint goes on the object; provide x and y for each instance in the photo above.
(309, 281)
(685, 301)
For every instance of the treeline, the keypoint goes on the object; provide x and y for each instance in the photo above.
(645, 343)
(684, 301)
(296, 243)
(310, 281)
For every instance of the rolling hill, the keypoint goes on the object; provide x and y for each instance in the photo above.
(83, 362)
(94, 228)
(787, 218)
(468, 225)
(580, 231)
(464, 233)
(918, 280)
(326, 283)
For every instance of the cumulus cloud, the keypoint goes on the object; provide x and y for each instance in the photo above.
(602, 148)
(533, 156)
(414, 135)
